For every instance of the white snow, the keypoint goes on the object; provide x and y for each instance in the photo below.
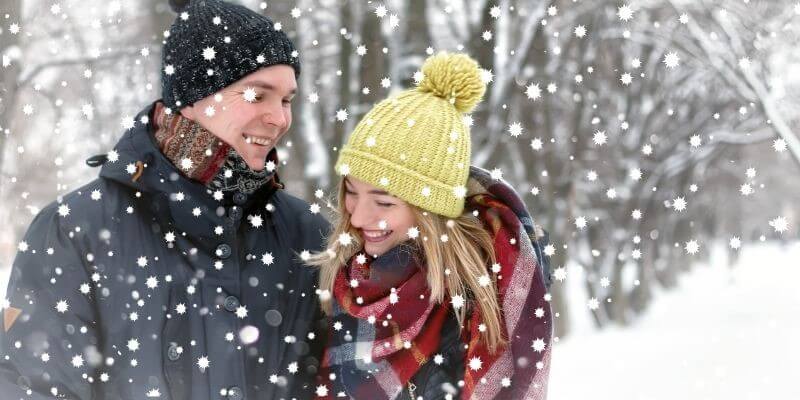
(722, 334)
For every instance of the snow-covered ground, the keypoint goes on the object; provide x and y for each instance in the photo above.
(722, 334)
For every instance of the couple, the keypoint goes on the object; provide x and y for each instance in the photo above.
(186, 272)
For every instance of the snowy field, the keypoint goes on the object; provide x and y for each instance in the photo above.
(722, 334)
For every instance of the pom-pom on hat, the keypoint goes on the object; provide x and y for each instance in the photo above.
(213, 44)
(416, 145)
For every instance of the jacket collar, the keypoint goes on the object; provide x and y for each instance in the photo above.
(136, 162)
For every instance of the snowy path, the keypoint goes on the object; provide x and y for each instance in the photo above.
(723, 334)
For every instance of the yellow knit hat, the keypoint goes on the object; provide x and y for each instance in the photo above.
(416, 145)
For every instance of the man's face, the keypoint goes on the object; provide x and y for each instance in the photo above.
(252, 114)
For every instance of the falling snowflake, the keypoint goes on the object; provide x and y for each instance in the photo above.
(735, 243)
(475, 363)
(679, 204)
(256, 221)
(209, 53)
(538, 345)
(599, 138)
(341, 115)
(62, 306)
(152, 282)
(533, 91)
(779, 224)
(203, 363)
(580, 222)
(141, 261)
(496, 174)
(515, 129)
(671, 60)
(77, 361)
(413, 232)
(133, 345)
(127, 122)
(457, 301)
(626, 79)
(593, 303)
(779, 145)
(560, 273)
(113, 156)
(249, 95)
(580, 31)
(625, 13)
(692, 247)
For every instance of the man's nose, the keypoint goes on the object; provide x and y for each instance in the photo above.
(274, 116)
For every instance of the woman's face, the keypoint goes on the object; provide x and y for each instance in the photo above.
(381, 219)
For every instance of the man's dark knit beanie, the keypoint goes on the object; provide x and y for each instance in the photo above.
(212, 44)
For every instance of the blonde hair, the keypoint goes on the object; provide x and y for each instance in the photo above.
(454, 268)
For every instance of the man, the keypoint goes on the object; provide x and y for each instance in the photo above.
(178, 273)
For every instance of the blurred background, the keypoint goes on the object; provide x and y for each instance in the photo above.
(656, 141)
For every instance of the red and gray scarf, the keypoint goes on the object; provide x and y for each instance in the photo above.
(203, 157)
(383, 327)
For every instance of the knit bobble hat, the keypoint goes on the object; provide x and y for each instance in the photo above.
(416, 145)
(212, 44)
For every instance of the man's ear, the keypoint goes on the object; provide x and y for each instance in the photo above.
(189, 112)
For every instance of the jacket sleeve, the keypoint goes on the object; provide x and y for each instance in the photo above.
(48, 341)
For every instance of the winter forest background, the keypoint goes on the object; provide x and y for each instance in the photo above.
(656, 140)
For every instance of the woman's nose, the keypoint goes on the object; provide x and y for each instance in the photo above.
(361, 217)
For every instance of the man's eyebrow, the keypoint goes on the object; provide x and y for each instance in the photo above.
(266, 86)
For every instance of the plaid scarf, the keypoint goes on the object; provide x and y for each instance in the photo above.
(385, 329)
(520, 370)
(203, 157)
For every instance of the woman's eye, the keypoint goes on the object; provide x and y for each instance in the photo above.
(287, 102)
(385, 205)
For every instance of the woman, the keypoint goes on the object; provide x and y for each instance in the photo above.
(431, 278)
